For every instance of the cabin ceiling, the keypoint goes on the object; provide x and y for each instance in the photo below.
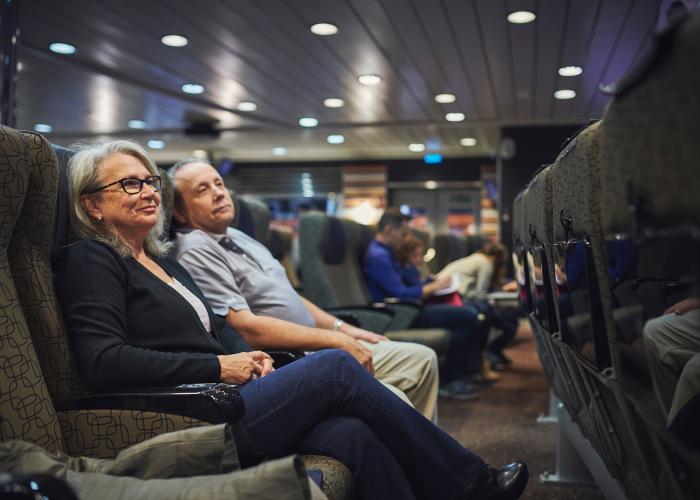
(263, 51)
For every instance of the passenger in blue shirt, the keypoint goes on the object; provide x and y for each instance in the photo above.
(460, 374)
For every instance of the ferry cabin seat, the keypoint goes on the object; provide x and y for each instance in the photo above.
(332, 251)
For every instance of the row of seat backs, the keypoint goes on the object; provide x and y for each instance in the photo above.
(625, 186)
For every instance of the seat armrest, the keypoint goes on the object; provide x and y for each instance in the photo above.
(32, 486)
(403, 302)
(282, 358)
(376, 319)
(212, 402)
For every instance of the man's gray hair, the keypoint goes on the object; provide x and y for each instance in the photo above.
(84, 177)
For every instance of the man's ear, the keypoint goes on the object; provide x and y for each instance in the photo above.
(179, 216)
(87, 201)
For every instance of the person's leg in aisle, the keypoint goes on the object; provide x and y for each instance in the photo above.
(502, 321)
(410, 367)
(464, 356)
(670, 341)
(283, 407)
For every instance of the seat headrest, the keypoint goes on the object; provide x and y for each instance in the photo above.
(334, 242)
(243, 219)
(63, 232)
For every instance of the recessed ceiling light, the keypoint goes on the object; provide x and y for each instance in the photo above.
(445, 98)
(308, 121)
(279, 151)
(137, 124)
(155, 144)
(43, 128)
(193, 88)
(174, 40)
(467, 141)
(369, 79)
(333, 102)
(246, 106)
(62, 48)
(521, 17)
(200, 153)
(324, 29)
(454, 117)
(20, 66)
(430, 184)
(416, 148)
(570, 70)
(335, 139)
(564, 94)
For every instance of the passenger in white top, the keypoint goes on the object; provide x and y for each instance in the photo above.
(245, 284)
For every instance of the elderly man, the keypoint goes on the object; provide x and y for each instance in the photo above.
(246, 285)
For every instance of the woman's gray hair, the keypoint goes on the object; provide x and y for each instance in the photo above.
(83, 177)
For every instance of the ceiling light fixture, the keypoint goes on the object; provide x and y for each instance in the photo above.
(333, 102)
(430, 185)
(564, 94)
(416, 148)
(200, 153)
(193, 88)
(62, 48)
(43, 128)
(155, 144)
(521, 17)
(279, 151)
(455, 117)
(138, 124)
(467, 141)
(369, 79)
(570, 70)
(445, 98)
(324, 29)
(335, 139)
(246, 106)
(174, 40)
(308, 121)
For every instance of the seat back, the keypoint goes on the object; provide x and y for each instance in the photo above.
(28, 183)
(330, 252)
(252, 217)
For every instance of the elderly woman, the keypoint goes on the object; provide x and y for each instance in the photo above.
(135, 318)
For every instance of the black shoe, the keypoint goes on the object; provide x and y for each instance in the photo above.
(459, 389)
(498, 360)
(505, 483)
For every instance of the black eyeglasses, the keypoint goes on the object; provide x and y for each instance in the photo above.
(132, 185)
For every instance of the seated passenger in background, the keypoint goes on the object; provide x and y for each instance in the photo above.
(245, 284)
(481, 273)
(135, 318)
(384, 279)
(673, 343)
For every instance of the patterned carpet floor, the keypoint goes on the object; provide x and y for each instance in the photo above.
(501, 425)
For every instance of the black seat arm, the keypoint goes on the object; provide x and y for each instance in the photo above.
(215, 403)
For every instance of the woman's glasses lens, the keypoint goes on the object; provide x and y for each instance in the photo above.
(133, 186)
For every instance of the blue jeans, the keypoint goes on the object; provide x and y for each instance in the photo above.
(467, 339)
(327, 403)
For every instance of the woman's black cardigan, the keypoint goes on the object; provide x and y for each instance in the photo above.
(128, 328)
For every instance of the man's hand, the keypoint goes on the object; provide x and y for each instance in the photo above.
(684, 306)
(359, 352)
(360, 334)
(511, 286)
(244, 366)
